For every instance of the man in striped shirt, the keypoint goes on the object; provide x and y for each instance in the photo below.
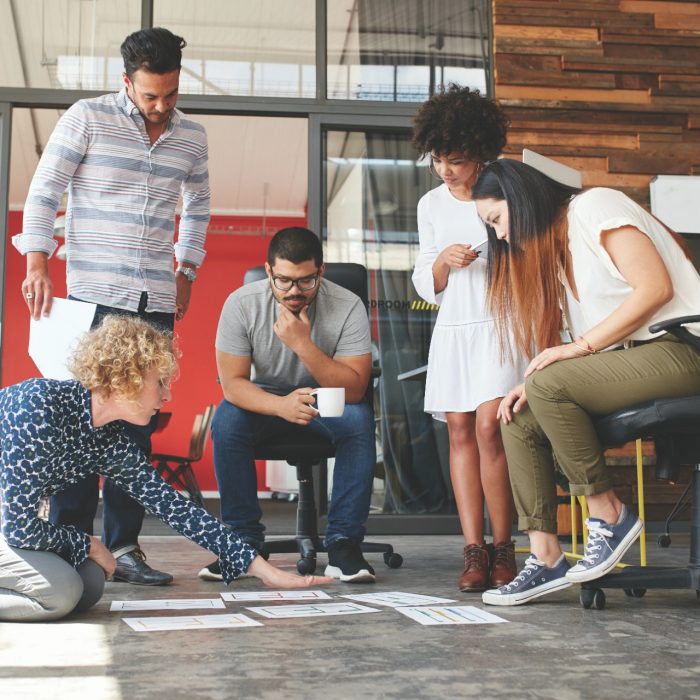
(125, 159)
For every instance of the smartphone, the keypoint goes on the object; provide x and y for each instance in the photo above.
(482, 248)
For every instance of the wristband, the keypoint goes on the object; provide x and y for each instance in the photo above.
(588, 347)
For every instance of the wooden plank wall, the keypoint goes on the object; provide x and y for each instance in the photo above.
(611, 87)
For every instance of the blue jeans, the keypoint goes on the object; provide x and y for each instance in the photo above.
(236, 432)
(122, 516)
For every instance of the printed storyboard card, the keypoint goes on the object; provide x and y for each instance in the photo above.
(167, 604)
(190, 622)
(452, 615)
(270, 596)
(320, 610)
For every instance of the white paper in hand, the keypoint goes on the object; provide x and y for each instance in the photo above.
(53, 338)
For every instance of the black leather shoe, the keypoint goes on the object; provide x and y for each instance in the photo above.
(132, 568)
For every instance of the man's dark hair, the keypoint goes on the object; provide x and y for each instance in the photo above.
(295, 244)
(157, 50)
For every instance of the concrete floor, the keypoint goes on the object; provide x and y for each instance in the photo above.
(645, 648)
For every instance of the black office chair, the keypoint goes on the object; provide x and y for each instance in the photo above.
(307, 452)
(675, 425)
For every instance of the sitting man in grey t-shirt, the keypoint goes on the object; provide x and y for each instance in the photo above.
(296, 331)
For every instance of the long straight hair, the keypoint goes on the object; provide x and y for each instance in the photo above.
(525, 294)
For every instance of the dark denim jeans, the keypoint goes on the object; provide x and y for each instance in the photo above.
(122, 516)
(235, 432)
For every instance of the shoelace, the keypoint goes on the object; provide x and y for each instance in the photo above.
(531, 563)
(472, 557)
(597, 537)
(138, 554)
(502, 556)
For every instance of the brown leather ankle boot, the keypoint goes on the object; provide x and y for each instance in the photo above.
(476, 569)
(503, 568)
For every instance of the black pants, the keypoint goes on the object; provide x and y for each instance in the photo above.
(122, 515)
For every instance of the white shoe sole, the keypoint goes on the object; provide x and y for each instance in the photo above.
(362, 576)
(207, 575)
(584, 575)
(495, 598)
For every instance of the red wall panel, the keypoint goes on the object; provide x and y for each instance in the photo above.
(228, 257)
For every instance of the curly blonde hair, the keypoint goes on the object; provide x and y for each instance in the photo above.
(115, 356)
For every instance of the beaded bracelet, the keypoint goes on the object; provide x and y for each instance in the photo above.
(588, 347)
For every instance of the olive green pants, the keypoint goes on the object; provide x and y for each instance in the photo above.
(563, 401)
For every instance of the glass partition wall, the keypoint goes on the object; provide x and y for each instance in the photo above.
(353, 72)
(372, 183)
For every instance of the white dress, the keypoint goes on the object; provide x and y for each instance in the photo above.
(464, 363)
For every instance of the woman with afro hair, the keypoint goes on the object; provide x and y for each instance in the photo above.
(459, 131)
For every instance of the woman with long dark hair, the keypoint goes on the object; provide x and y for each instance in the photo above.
(614, 270)
(459, 130)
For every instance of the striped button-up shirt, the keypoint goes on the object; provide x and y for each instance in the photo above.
(122, 195)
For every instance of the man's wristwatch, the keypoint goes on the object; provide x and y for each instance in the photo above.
(189, 272)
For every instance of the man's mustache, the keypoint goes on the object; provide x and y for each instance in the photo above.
(296, 297)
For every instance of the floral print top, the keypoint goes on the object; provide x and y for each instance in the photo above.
(47, 442)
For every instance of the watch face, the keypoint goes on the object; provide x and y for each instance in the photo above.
(189, 272)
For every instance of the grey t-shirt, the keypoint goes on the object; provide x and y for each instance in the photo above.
(339, 327)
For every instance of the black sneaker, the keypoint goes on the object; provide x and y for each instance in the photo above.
(345, 562)
(211, 572)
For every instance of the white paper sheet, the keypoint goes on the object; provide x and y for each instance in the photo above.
(321, 610)
(553, 168)
(450, 615)
(275, 595)
(396, 599)
(167, 604)
(190, 622)
(53, 338)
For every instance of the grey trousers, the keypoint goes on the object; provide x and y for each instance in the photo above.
(40, 586)
(563, 401)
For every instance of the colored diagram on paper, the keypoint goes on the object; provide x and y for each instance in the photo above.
(321, 610)
(190, 622)
(450, 615)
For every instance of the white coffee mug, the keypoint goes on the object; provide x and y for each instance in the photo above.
(330, 402)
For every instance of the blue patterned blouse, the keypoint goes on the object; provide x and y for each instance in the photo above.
(48, 442)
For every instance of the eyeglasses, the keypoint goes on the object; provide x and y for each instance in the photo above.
(304, 284)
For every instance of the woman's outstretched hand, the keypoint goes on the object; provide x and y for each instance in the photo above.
(555, 354)
(273, 577)
(511, 403)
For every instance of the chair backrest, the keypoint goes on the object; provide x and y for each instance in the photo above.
(200, 432)
(351, 276)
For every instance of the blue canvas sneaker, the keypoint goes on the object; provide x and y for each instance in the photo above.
(606, 545)
(534, 580)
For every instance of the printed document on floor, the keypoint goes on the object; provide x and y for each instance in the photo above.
(450, 615)
(166, 604)
(190, 622)
(274, 595)
(321, 610)
(397, 599)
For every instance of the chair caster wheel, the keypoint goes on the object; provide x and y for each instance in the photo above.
(306, 566)
(393, 560)
(592, 598)
(663, 540)
(635, 592)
